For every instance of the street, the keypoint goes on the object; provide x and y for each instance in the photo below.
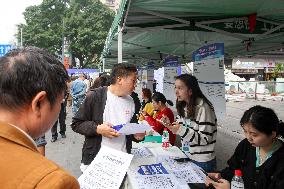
(67, 152)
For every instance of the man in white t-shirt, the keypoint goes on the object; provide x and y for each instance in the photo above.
(103, 108)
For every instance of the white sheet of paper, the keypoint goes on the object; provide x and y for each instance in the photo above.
(185, 172)
(107, 170)
(132, 128)
(142, 152)
(166, 181)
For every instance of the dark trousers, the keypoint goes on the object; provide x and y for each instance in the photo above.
(62, 117)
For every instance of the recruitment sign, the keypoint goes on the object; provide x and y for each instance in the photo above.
(208, 68)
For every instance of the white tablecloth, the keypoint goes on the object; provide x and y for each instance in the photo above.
(158, 152)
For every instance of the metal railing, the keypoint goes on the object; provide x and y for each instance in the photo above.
(255, 89)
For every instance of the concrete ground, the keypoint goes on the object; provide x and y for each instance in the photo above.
(67, 152)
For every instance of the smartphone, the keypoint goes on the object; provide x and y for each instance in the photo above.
(182, 160)
(212, 178)
(197, 185)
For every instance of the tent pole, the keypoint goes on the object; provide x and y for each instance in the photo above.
(119, 45)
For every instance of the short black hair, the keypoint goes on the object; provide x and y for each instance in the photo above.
(26, 71)
(121, 70)
(263, 119)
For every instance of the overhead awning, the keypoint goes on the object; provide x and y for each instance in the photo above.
(153, 29)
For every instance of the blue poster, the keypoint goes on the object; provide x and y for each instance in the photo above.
(153, 169)
(151, 65)
(171, 61)
(215, 50)
(4, 48)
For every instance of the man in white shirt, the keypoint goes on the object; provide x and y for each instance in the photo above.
(105, 107)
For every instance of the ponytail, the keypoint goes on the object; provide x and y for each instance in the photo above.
(170, 102)
(159, 97)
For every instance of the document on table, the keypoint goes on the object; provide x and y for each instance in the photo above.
(132, 128)
(107, 170)
(185, 172)
(157, 182)
(142, 152)
(155, 176)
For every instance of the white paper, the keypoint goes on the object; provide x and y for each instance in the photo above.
(107, 170)
(142, 152)
(190, 173)
(133, 128)
(157, 182)
(186, 172)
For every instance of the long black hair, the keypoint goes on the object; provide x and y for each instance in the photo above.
(264, 120)
(191, 83)
(159, 97)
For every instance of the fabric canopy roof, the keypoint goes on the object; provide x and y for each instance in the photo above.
(153, 29)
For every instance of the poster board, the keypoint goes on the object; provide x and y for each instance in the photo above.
(208, 68)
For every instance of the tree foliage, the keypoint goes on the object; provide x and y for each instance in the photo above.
(85, 23)
(279, 68)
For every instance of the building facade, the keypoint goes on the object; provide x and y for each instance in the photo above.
(112, 4)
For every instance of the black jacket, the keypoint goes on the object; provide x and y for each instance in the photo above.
(270, 175)
(86, 120)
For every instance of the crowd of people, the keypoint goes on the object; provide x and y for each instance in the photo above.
(35, 90)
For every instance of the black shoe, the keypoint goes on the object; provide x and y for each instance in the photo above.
(53, 139)
(63, 135)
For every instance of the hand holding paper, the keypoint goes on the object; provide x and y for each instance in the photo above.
(106, 130)
(134, 128)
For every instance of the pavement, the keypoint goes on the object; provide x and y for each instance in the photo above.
(67, 151)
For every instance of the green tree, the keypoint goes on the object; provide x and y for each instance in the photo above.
(87, 26)
(85, 23)
(43, 26)
(279, 68)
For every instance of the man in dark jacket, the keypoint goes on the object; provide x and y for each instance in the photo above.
(103, 108)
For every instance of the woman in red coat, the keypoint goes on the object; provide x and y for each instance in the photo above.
(159, 102)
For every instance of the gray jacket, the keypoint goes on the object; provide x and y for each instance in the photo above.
(86, 120)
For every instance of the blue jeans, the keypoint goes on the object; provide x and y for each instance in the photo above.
(209, 166)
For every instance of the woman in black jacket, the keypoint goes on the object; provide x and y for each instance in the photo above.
(260, 156)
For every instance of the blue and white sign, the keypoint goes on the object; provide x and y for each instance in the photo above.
(171, 61)
(153, 169)
(215, 50)
(208, 68)
(4, 49)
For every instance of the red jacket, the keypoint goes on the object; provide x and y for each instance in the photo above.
(158, 127)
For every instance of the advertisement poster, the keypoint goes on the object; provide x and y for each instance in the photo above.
(208, 68)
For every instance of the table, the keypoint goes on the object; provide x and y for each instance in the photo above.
(158, 155)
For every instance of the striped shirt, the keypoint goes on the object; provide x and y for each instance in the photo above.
(200, 133)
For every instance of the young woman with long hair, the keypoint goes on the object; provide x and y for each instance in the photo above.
(197, 125)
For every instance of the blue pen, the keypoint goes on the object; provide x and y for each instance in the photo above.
(118, 127)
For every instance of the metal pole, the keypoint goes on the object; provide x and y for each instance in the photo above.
(119, 45)
(21, 37)
(104, 60)
(63, 41)
(255, 95)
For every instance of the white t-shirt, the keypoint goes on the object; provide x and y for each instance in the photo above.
(87, 82)
(118, 110)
